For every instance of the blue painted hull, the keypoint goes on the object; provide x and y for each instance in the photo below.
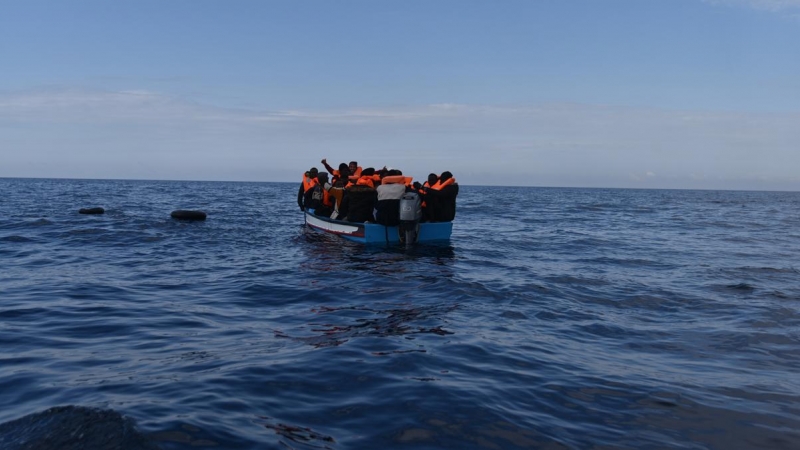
(371, 233)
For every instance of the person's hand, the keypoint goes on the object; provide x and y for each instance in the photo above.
(324, 161)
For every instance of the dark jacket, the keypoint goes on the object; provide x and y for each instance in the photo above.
(358, 203)
(301, 197)
(314, 200)
(442, 202)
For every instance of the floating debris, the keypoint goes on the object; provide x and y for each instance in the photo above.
(183, 214)
(95, 210)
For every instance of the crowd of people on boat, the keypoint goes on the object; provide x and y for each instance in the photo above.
(353, 194)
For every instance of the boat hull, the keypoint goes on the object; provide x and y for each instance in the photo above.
(372, 233)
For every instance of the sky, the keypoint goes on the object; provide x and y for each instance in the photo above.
(693, 94)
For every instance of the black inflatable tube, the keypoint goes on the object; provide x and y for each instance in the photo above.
(183, 214)
(97, 210)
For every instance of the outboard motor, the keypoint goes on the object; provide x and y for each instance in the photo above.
(410, 215)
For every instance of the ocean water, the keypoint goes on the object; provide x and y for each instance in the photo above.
(554, 318)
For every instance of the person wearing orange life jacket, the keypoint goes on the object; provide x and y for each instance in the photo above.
(338, 184)
(355, 171)
(318, 198)
(309, 179)
(359, 199)
(427, 213)
(368, 178)
(441, 197)
(343, 172)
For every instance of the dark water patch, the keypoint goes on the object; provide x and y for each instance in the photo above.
(16, 239)
(785, 295)
(769, 270)
(186, 436)
(743, 287)
(515, 315)
(28, 313)
(609, 331)
(73, 428)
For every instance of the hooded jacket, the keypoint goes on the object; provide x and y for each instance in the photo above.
(442, 199)
(358, 203)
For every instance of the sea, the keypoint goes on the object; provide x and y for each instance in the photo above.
(553, 319)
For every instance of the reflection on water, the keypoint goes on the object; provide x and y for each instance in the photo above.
(337, 325)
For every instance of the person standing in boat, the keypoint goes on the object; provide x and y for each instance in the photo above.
(441, 197)
(309, 180)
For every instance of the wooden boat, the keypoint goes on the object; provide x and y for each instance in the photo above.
(373, 233)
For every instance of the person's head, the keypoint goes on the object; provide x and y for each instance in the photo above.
(322, 177)
(445, 176)
(353, 166)
(432, 179)
(394, 172)
(344, 170)
(368, 172)
(313, 172)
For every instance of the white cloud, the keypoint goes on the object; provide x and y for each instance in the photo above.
(134, 134)
(766, 5)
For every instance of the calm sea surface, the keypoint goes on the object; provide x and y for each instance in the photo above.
(555, 318)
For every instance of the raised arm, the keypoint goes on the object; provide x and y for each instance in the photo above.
(328, 167)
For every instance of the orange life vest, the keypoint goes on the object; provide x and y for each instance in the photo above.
(308, 183)
(439, 185)
(355, 176)
(397, 179)
(326, 197)
(366, 180)
(337, 194)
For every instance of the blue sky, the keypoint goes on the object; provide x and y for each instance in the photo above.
(670, 93)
